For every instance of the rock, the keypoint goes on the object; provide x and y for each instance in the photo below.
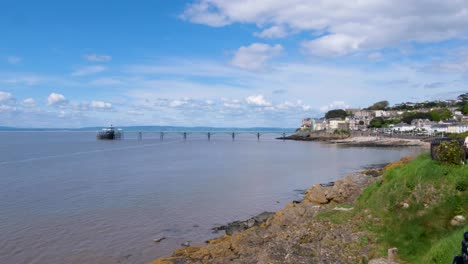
(343, 209)
(186, 244)
(159, 240)
(405, 205)
(392, 254)
(458, 220)
(346, 189)
(317, 195)
(239, 226)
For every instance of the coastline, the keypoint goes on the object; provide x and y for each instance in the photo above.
(297, 233)
(361, 141)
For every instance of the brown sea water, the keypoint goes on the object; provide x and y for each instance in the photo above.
(67, 198)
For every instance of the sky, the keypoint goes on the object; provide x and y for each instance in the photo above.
(223, 63)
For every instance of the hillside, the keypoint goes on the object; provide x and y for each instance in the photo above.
(408, 205)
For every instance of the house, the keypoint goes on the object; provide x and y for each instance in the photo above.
(363, 114)
(307, 124)
(421, 123)
(458, 128)
(464, 119)
(320, 124)
(337, 123)
(439, 128)
(403, 127)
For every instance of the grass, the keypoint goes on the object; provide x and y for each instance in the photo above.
(432, 194)
(443, 251)
(413, 203)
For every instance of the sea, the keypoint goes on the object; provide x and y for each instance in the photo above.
(66, 197)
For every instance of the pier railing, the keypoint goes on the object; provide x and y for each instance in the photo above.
(233, 135)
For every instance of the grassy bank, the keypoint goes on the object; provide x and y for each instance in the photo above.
(411, 207)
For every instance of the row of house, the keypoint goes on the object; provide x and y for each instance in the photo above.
(360, 120)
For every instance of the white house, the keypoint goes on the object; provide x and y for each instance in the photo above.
(458, 128)
(403, 127)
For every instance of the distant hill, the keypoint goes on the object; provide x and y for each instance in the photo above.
(157, 128)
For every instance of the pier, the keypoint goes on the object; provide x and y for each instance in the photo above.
(209, 135)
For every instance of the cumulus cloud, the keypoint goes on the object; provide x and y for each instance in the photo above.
(201, 13)
(257, 100)
(5, 97)
(29, 102)
(88, 70)
(350, 26)
(332, 45)
(272, 32)
(97, 58)
(255, 56)
(56, 99)
(14, 60)
(334, 105)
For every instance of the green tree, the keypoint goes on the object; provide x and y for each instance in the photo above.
(440, 114)
(410, 116)
(463, 97)
(464, 108)
(337, 113)
(382, 105)
(377, 122)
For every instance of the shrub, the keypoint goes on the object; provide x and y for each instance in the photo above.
(450, 153)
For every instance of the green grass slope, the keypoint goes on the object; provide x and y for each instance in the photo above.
(414, 205)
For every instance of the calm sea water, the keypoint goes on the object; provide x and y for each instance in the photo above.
(67, 198)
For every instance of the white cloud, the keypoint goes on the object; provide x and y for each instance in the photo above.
(56, 99)
(255, 56)
(100, 105)
(97, 58)
(88, 70)
(14, 60)
(334, 105)
(29, 102)
(4, 96)
(350, 25)
(7, 108)
(332, 45)
(200, 13)
(177, 103)
(257, 100)
(272, 32)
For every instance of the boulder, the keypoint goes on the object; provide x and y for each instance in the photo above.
(458, 220)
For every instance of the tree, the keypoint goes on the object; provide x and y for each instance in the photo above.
(409, 116)
(337, 113)
(377, 122)
(464, 108)
(440, 114)
(382, 105)
(463, 97)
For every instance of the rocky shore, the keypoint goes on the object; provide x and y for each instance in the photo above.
(299, 233)
(360, 141)
(376, 141)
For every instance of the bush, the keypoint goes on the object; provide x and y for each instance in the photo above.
(450, 153)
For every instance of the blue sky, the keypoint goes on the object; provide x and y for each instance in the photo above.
(223, 63)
